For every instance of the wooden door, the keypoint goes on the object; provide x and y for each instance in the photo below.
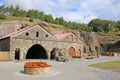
(72, 51)
(79, 53)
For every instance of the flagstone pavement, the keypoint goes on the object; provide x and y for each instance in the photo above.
(76, 69)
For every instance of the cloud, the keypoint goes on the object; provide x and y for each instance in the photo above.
(73, 10)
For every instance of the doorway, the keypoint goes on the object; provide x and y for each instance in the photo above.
(36, 52)
(17, 54)
(72, 51)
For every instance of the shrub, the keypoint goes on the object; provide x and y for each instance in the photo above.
(2, 16)
(31, 20)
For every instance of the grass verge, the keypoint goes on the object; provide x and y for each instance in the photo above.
(113, 65)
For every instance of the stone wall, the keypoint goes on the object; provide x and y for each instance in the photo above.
(31, 36)
(25, 45)
(35, 33)
(4, 55)
(67, 46)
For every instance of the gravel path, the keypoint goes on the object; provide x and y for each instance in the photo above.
(76, 69)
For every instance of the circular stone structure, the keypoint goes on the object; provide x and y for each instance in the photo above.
(34, 68)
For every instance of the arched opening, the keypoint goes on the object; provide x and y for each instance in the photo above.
(72, 51)
(53, 53)
(17, 54)
(36, 52)
(79, 53)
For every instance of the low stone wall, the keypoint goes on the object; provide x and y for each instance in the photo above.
(4, 55)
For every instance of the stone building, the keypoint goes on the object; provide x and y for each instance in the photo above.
(35, 42)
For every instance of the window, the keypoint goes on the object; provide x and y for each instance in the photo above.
(37, 34)
(27, 34)
(46, 35)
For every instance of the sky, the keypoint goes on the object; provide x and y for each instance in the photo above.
(81, 11)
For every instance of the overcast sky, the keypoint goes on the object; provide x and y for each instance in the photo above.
(72, 10)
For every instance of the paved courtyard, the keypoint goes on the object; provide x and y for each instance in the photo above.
(75, 69)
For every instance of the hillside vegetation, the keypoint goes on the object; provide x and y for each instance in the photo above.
(96, 25)
(108, 32)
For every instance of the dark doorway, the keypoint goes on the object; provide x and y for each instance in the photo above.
(17, 54)
(53, 53)
(36, 52)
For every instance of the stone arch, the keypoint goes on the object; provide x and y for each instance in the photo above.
(36, 52)
(72, 51)
(79, 53)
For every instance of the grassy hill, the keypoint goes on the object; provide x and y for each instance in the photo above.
(26, 21)
(108, 38)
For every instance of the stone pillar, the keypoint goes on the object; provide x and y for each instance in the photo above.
(48, 54)
(11, 56)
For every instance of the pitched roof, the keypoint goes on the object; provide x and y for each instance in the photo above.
(56, 37)
(21, 30)
(61, 36)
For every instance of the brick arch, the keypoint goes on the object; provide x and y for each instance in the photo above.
(36, 51)
(72, 51)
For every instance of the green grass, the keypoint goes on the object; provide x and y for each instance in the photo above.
(113, 65)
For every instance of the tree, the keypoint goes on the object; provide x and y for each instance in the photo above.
(102, 25)
(22, 13)
(41, 15)
(9, 10)
(2, 9)
(48, 18)
(16, 11)
(33, 13)
(118, 25)
(60, 21)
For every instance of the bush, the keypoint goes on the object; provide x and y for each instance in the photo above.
(31, 20)
(2, 16)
